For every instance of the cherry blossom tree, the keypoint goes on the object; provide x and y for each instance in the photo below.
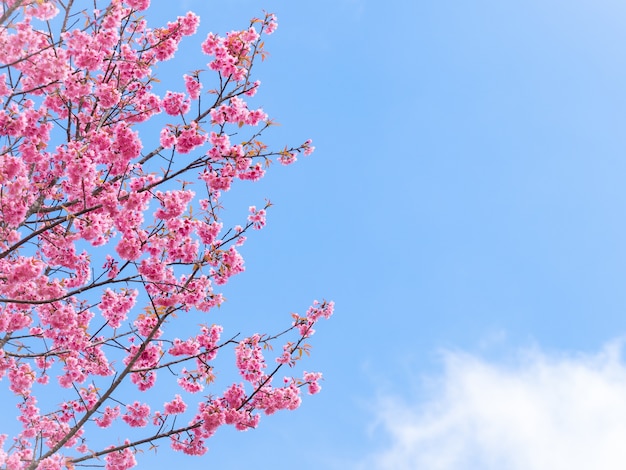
(106, 245)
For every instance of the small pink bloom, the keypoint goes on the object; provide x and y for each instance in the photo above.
(271, 24)
(167, 138)
(287, 158)
(189, 23)
(136, 415)
(312, 378)
(129, 248)
(176, 406)
(108, 417)
(193, 86)
(173, 203)
(120, 459)
(175, 104)
(257, 218)
(115, 306)
(138, 4)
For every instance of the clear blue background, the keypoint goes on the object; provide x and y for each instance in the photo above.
(467, 192)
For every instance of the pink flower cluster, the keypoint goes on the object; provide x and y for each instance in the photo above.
(314, 313)
(173, 203)
(115, 306)
(190, 138)
(231, 53)
(120, 459)
(250, 360)
(257, 218)
(76, 174)
(136, 414)
(312, 379)
(175, 104)
(165, 41)
(193, 86)
(237, 112)
(176, 406)
(108, 416)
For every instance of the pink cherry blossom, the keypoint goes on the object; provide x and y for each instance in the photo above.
(193, 86)
(120, 459)
(138, 4)
(136, 414)
(43, 10)
(115, 306)
(176, 406)
(108, 416)
(21, 379)
(250, 360)
(312, 379)
(189, 138)
(271, 24)
(173, 203)
(257, 217)
(191, 347)
(113, 243)
(175, 104)
(167, 138)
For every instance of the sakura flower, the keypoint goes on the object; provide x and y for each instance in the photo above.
(176, 406)
(175, 104)
(120, 459)
(193, 87)
(108, 417)
(257, 217)
(136, 414)
(312, 379)
(115, 306)
(138, 4)
(271, 24)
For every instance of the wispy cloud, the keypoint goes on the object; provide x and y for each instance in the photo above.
(544, 412)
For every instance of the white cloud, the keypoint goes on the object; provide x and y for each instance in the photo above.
(545, 412)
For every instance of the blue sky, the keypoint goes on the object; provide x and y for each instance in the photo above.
(465, 209)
